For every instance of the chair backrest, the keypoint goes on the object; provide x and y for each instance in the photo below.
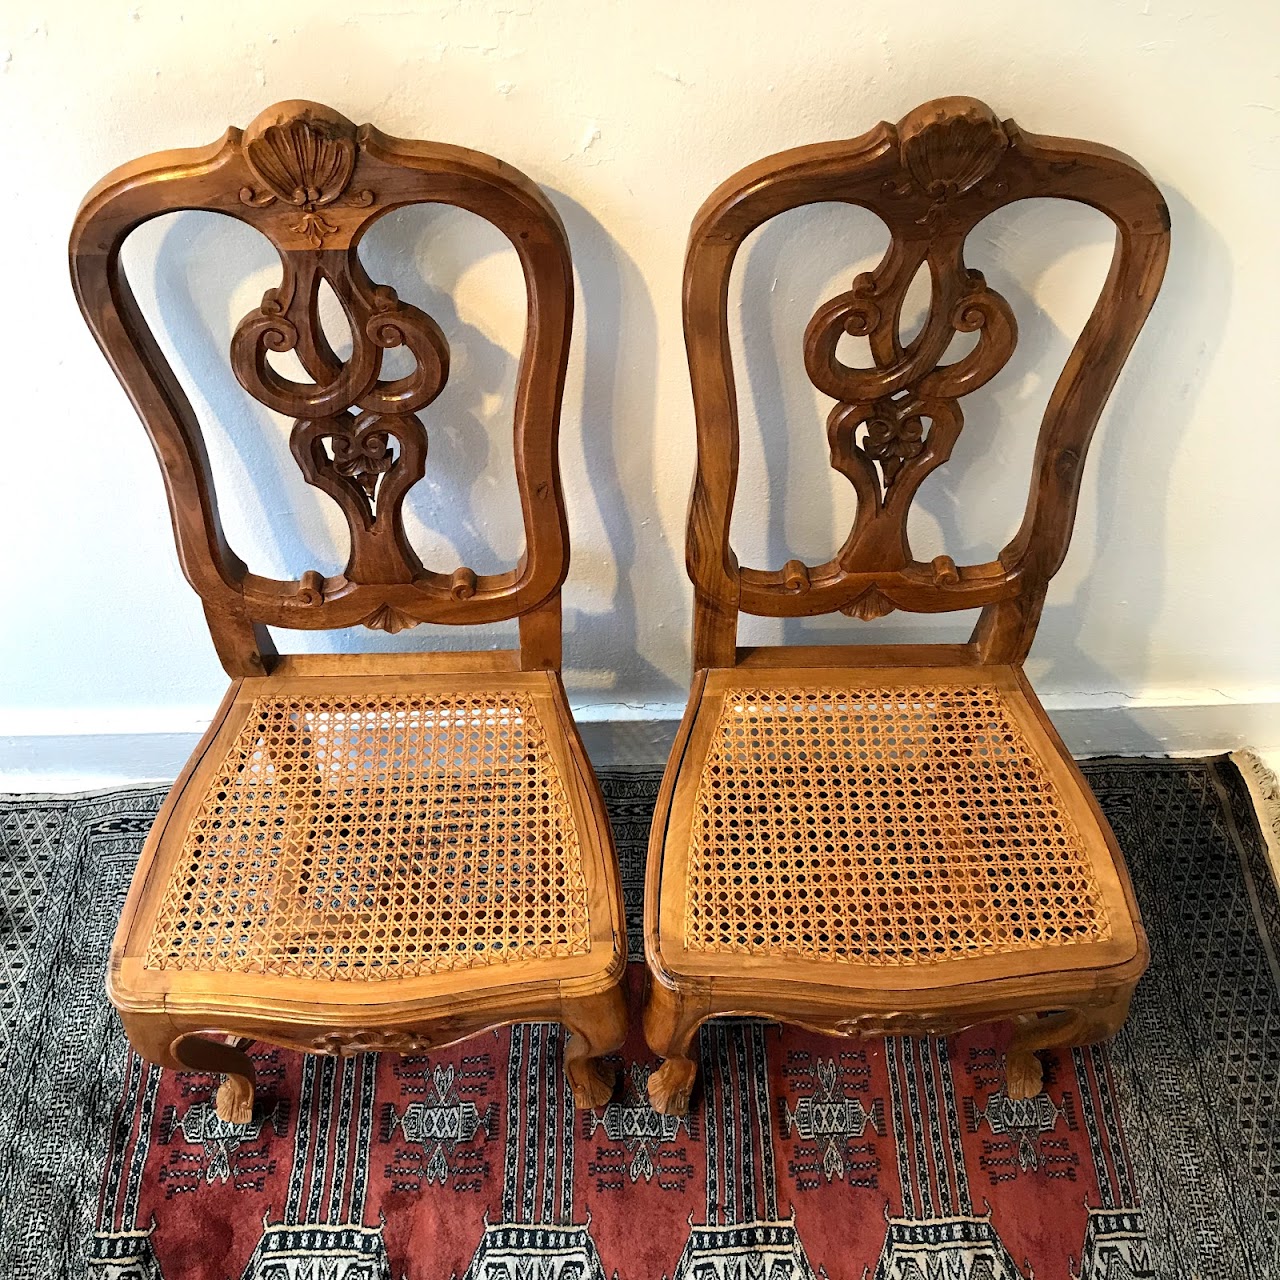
(931, 179)
(313, 183)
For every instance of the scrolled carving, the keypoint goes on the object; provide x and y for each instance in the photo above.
(288, 320)
(310, 589)
(945, 573)
(855, 313)
(896, 420)
(462, 586)
(795, 575)
(355, 435)
(273, 329)
(981, 310)
(392, 323)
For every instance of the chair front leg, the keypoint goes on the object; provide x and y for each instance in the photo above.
(671, 1020)
(234, 1103)
(155, 1039)
(1035, 1033)
(597, 1025)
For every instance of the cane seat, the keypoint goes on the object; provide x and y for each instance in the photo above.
(873, 827)
(359, 835)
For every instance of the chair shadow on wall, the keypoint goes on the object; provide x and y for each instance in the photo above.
(619, 343)
(1130, 460)
(276, 522)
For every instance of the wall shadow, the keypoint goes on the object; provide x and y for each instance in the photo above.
(1157, 391)
(619, 377)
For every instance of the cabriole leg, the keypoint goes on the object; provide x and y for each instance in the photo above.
(1035, 1033)
(597, 1025)
(154, 1038)
(670, 1025)
(234, 1103)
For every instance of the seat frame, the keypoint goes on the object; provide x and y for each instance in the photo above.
(313, 183)
(931, 178)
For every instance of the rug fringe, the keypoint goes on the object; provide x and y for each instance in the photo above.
(1264, 791)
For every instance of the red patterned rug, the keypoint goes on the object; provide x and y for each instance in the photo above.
(803, 1156)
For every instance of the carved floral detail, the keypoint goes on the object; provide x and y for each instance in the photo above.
(872, 1025)
(304, 155)
(363, 458)
(359, 456)
(896, 441)
(314, 226)
(892, 438)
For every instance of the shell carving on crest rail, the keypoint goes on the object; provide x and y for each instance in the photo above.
(356, 435)
(306, 161)
(897, 420)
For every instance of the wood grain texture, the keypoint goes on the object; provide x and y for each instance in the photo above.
(314, 183)
(865, 781)
(931, 179)
(337, 920)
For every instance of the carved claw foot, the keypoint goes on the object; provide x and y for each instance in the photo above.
(592, 1081)
(234, 1103)
(597, 1025)
(671, 1086)
(1023, 1074)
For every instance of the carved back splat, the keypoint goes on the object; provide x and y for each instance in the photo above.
(313, 183)
(931, 179)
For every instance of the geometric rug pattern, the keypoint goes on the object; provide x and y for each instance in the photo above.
(802, 1155)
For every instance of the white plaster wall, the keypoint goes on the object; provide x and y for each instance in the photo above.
(629, 115)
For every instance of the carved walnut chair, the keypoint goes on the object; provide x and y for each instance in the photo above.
(892, 838)
(365, 851)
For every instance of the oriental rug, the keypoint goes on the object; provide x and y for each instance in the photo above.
(802, 1157)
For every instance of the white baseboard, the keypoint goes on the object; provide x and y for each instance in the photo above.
(76, 752)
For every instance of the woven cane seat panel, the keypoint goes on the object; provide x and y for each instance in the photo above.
(882, 826)
(368, 838)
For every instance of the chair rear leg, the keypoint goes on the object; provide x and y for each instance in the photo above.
(597, 1025)
(670, 1024)
(1035, 1033)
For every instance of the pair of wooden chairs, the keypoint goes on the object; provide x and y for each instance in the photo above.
(393, 852)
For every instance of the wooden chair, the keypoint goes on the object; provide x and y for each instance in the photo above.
(877, 839)
(369, 851)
